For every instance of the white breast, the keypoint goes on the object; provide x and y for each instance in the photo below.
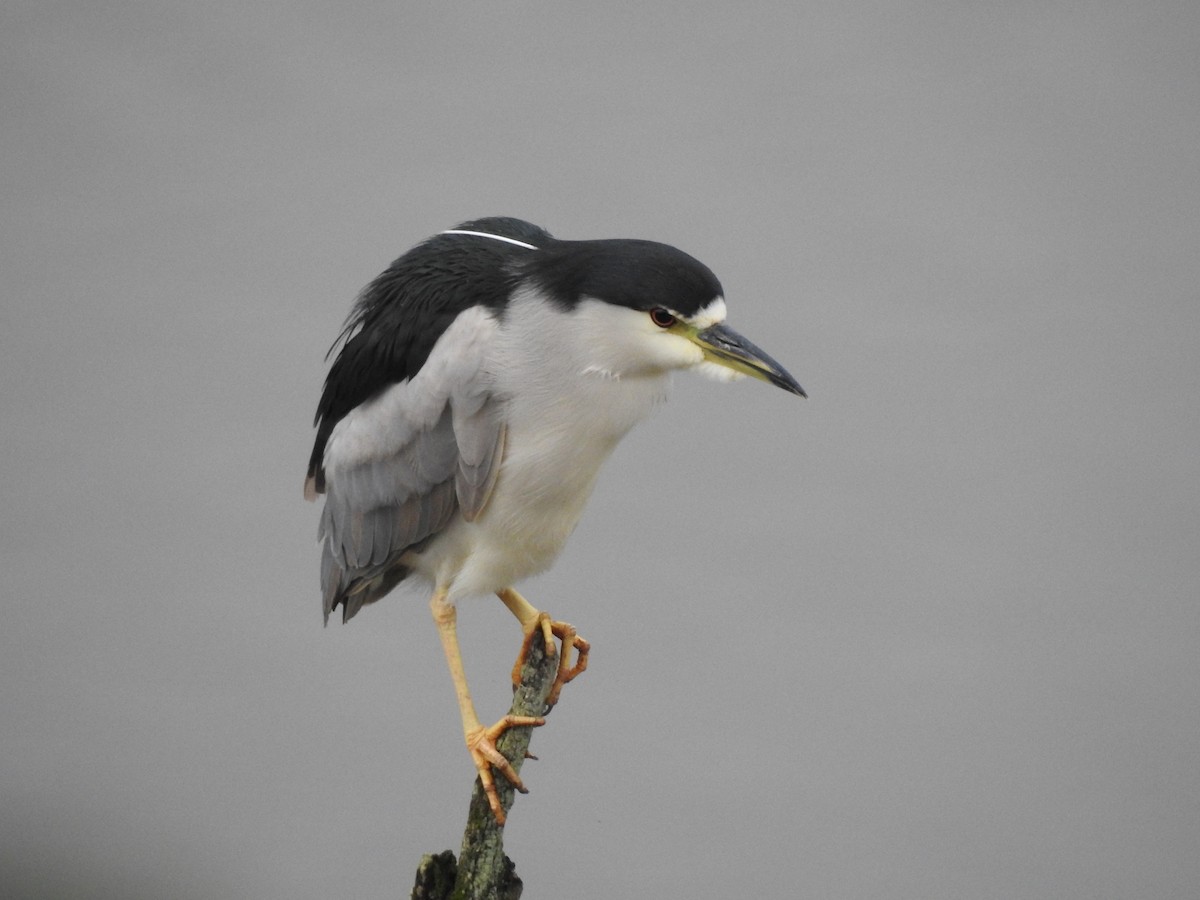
(566, 412)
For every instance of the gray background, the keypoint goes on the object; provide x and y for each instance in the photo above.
(930, 634)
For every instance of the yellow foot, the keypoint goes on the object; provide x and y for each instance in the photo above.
(549, 630)
(481, 742)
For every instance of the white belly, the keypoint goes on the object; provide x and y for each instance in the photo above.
(554, 448)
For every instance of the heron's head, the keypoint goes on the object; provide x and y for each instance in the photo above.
(641, 307)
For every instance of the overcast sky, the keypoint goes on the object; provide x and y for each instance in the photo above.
(931, 633)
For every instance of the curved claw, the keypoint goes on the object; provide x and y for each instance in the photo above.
(549, 630)
(481, 743)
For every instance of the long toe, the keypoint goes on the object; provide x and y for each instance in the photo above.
(566, 671)
(481, 743)
(571, 641)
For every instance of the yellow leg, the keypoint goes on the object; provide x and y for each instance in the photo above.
(534, 622)
(481, 742)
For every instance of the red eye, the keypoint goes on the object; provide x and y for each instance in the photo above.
(661, 317)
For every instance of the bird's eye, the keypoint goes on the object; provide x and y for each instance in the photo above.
(661, 317)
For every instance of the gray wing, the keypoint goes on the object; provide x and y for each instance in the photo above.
(398, 467)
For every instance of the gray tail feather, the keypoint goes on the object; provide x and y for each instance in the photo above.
(351, 592)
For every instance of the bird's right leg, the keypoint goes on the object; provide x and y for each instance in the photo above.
(481, 742)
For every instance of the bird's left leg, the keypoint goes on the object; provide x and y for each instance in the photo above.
(481, 742)
(534, 622)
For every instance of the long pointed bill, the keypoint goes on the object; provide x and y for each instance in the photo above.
(724, 346)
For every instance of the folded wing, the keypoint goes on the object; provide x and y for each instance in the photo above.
(398, 467)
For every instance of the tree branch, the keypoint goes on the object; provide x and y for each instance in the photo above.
(482, 871)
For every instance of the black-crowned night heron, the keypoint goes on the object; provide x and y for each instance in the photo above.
(481, 382)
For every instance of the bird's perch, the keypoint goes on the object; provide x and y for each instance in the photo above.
(482, 871)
